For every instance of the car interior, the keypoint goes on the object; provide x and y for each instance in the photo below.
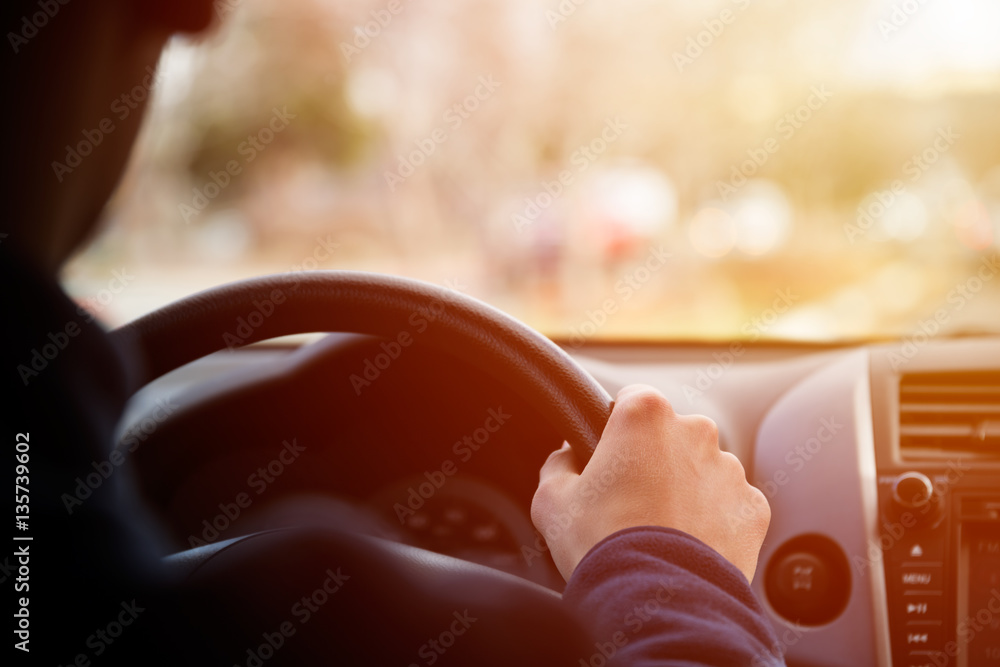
(385, 257)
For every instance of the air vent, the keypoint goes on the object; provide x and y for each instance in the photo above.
(944, 415)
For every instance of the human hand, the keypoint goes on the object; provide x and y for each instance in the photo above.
(652, 467)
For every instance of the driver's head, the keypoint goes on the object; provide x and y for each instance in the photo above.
(72, 115)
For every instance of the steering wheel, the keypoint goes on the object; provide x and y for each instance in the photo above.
(253, 310)
(411, 589)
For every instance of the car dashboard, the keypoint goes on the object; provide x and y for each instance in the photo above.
(881, 463)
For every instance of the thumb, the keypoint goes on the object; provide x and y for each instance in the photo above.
(560, 463)
(558, 471)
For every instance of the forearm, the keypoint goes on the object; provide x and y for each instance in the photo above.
(659, 596)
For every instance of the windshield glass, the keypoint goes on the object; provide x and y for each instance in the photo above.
(737, 169)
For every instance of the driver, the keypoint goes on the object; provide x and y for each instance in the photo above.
(657, 537)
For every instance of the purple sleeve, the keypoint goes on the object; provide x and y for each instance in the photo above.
(658, 596)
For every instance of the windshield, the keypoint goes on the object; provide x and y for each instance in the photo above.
(738, 169)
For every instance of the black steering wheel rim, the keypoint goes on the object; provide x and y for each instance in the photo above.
(401, 310)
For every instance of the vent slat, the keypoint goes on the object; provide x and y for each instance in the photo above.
(949, 414)
(945, 391)
(936, 431)
(950, 408)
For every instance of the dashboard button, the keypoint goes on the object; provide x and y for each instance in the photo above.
(925, 577)
(918, 549)
(808, 580)
(921, 607)
(922, 637)
(926, 659)
(802, 576)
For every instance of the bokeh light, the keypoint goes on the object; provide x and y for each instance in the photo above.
(712, 232)
(806, 147)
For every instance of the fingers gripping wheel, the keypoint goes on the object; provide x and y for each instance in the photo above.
(347, 301)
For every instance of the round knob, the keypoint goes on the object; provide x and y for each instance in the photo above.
(913, 498)
(912, 490)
